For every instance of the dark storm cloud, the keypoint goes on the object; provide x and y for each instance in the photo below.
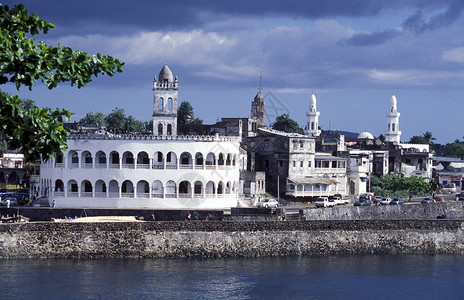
(415, 23)
(115, 17)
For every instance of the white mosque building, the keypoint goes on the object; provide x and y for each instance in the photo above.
(159, 171)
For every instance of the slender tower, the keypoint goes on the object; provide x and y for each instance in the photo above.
(312, 127)
(257, 105)
(165, 103)
(393, 133)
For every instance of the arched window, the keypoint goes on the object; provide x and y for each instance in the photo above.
(160, 129)
(161, 103)
(169, 129)
(393, 127)
(312, 125)
(169, 103)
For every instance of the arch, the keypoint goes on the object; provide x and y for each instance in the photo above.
(100, 159)
(220, 189)
(185, 190)
(170, 106)
(210, 188)
(234, 158)
(73, 159)
(228, 160)
(169, 129)
(160, 129)
(171, 189)
(210, 160)
(143, 189)
(128, 160)
(199, 160)
(198, 189)
(186, 161)
(393, 126)
(114, 160)
(59, 161)
(228, 188)
(59, 188)
(72, 188)
(158, 160)
(86, 158)
(143, 160)
(171, 160)
(86, 188)
(113, 189)
(100, 189)
(127, 189)
(221, 159)
(161, 104)
(157, 189)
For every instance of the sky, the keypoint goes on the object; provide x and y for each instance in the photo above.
(352, 54)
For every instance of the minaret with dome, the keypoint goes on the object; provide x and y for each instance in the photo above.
(393, 133)
(312, 126)
(165, 103)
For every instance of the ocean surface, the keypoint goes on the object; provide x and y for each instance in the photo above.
(333, 277)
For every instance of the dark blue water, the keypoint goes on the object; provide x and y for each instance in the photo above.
(336, 277)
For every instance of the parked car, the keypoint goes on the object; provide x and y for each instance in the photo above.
(325, 202)
(340, 201)
(427, 200)
(385, 201)
(13, 201)
(460, 197)
(397, 201)
(363, 202)
(377, 199)
(268, 203)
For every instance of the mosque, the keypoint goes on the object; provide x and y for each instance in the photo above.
(162, 170)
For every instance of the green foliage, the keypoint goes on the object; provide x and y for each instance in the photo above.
(36, 132)
(425, 138)
(39, 132)
(93, 120)
(185, 114)
(284, 123)
(116, 121)
(394, 186)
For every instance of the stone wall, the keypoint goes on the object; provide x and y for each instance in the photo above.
(431, 211)
(229, 239)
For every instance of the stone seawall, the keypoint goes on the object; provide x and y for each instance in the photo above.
(431, 211)
(229, 239)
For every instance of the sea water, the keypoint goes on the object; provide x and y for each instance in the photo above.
(318, 277)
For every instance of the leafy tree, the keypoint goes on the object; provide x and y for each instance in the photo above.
(284, 123)
(418, 140)
(93, 120)
(39, 132)
(395, 186)
(116, 121)
(185, 114)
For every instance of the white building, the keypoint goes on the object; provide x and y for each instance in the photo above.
(393, 133)
(312, 125)
(157, 171)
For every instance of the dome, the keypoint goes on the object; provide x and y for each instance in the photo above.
(165, 74)
(366, 135)
(393, 101)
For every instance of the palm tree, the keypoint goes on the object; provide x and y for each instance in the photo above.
(428, 137)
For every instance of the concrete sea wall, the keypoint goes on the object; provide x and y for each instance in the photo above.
(431, 211)
(229, 239)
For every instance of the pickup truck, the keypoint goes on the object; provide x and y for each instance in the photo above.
(325, 202)
(340, 201)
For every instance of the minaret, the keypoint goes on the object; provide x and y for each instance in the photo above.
(312, 127)
(165, 103)
(257, 105)
(393, 133)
